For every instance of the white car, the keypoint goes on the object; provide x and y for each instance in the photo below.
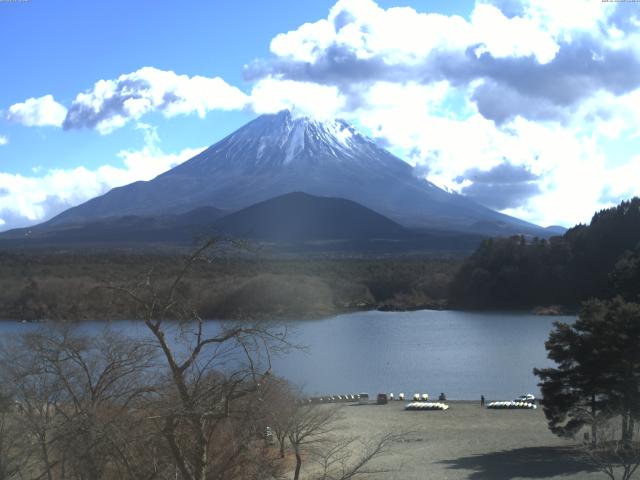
(529, 398)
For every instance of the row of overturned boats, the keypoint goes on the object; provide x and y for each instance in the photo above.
(421, 401)
(363, 398)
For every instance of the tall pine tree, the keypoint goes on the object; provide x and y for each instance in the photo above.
(598, 369)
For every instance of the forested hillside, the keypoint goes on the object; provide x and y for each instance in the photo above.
(76, 286)
(601, 260)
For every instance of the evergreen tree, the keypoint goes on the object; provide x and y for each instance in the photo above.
(598, 369)
(599, 260)
(622, 348)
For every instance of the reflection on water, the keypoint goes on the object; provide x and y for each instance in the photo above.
(464, 354)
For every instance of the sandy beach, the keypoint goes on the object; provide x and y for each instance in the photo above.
(467, 442)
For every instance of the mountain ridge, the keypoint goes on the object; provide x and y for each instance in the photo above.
(277, 154)
(294, 222)
(298, 216)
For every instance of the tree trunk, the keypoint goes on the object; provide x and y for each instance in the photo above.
(45, 456)
(296, 474)
(201, 470)
(594, 426)
(282, 448)
(625, 428)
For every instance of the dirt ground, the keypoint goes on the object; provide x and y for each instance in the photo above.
(467, 442)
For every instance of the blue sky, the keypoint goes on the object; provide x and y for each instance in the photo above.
(546, 97)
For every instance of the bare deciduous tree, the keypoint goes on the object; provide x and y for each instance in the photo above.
(14, 447)
(310, 427)
(188, 400)
(614, 454)
(314, 430)
(281, 403)
(36, 394)
(347, 458)
(213, 375)
(74, 393)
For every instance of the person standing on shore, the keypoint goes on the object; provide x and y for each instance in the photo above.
(482, 400)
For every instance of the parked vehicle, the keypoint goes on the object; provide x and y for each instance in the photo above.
(382, 399)
(363, 399)
(530, 398)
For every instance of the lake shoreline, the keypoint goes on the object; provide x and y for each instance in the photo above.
(466, 442)
(437, 307)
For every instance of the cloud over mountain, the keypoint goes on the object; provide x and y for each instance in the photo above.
(29, 199)
(547, 57)
(112, 103)
(503, 186)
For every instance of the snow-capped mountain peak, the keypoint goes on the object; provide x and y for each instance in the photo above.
(277, 154)
(279, 140)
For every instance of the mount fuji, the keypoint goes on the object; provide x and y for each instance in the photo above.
(277, 154)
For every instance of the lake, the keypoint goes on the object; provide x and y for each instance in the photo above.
(464, 354)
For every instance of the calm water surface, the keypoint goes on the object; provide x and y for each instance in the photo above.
(464, 354)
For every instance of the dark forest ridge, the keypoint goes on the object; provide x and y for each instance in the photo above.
(295, 221)
(298, 216)
(599, 260)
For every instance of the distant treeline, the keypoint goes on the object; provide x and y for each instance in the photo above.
(600, 260)
(74, 285)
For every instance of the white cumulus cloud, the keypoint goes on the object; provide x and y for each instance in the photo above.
(569, 176)
(38, 112)
(110, 104)
(301, 98)
(510, 37)
(4, 140)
